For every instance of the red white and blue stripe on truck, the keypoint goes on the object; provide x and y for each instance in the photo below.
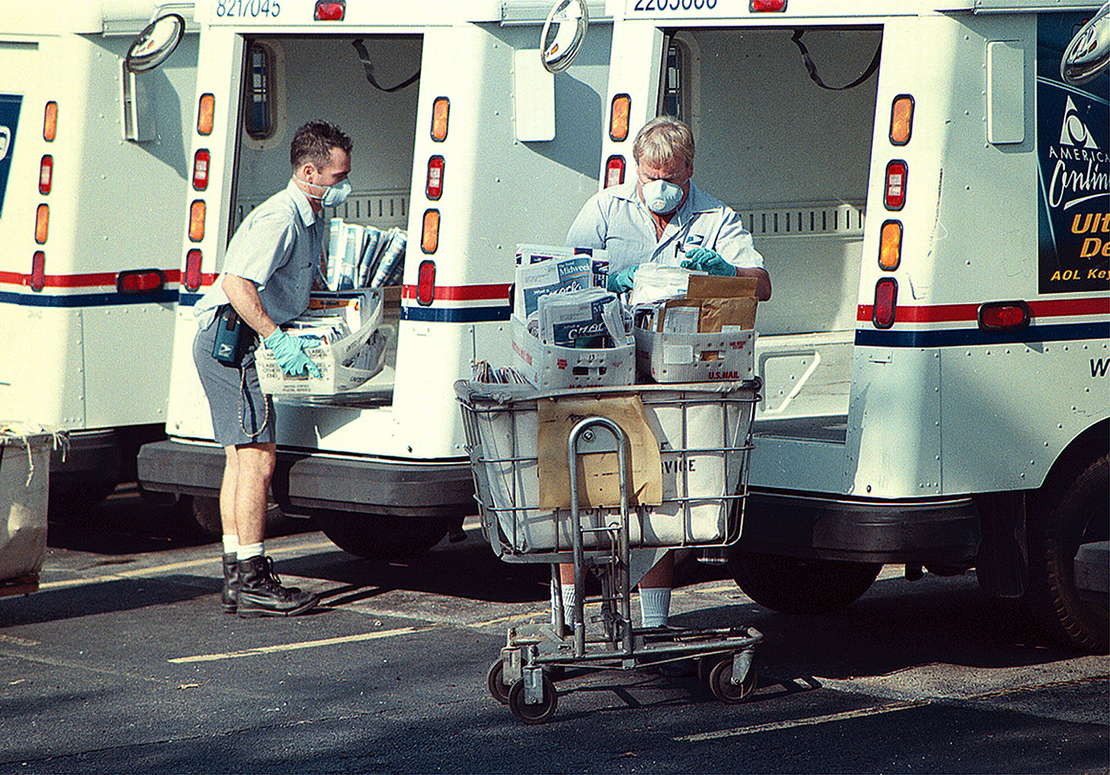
(97, 289)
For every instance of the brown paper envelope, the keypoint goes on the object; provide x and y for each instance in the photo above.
(598, 473)
(716, 313)
(712, 287)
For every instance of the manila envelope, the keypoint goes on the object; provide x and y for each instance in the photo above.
(598, 474)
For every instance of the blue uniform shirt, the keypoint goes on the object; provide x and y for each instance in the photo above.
(617, 220)
(277, 247)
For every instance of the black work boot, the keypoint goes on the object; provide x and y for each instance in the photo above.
(229, 599)
(261, 592)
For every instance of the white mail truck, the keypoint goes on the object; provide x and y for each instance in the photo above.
(92, 170)
(464, 141)
(929, 193)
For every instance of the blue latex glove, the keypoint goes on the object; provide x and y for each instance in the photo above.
(621, 281)
(289, 351)
(706, 260)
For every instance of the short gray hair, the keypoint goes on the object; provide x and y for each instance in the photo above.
(663, 139)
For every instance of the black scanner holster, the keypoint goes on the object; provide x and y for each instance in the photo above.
(232, 337)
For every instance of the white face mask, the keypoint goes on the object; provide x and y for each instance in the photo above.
(333, 195)
(662, 196)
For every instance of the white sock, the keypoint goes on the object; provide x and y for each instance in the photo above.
(655, 605)
(231, 543)
(248, 551)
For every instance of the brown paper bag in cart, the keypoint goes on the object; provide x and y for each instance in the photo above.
(598, 473)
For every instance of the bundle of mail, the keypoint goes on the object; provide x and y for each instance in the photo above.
(364, 256)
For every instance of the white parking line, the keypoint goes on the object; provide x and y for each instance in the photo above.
(308, 644)
(157, 570)
(803, 722)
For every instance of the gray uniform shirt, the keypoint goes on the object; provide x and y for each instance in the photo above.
(617, 220)
(278, 248)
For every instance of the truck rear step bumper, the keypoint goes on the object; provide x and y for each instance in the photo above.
(312, 481)
(937, 532)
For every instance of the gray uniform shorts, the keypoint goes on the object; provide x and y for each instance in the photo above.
(241, 414)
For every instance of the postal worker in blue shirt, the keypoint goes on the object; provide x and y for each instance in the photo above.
(270, 267)
(663, 218)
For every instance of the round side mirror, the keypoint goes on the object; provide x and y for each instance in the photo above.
(155, 43)
(563, 33)
(1089, 51)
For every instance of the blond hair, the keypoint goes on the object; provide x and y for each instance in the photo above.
(663, 139)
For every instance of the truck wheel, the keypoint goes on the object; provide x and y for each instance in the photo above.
(1057, 527)
(794, 585)
(382, 536)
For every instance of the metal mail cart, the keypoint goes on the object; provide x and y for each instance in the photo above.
(703, 435)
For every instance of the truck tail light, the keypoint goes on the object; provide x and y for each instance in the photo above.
(901, 119)
(42, 223)
(140, 281)
(767, 6)
(894, 196)
(206, 114)
(50, 122)
(330, 11)
(618, 118)
(38, 271)
(886, 300)
(196, 220)
(201, 160)
(426, 283)
(890, 245)
(440, 110)
(1004, 316)
(614, 171)
(193, 276)
(46, 174)
(429, 239)
(433, 186)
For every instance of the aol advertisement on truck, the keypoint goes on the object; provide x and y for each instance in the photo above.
(9, 118)
(1072, 141)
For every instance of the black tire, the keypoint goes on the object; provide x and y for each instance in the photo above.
(69, 504)
(496, 684)
(382, 536)
(799, 586)
(1056, 527)
(720, 682)
(533, 714)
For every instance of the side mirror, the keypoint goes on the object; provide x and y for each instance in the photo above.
(563, 33)
(155, 43)
(1089, 51)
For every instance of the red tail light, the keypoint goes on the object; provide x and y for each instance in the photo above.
(38, 271)
(330, 11)
(140, 281)
(193, 275)
(46, 174)
(886, 300)
(895, 195)
(426, 283)
(768, 6)
(1004, 316)
(614, 171)
(433, 186)
(200, 169)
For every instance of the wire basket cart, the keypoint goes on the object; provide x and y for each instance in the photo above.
(702, 435)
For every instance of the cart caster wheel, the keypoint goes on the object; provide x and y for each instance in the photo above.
(538, 713)
(495, 682)
(720, 682)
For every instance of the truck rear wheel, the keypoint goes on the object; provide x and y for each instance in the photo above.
(795, 585)
(1057, 527)
(382, 536)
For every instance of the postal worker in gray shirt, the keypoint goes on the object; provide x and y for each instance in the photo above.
(270, 267)
(663, 218)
